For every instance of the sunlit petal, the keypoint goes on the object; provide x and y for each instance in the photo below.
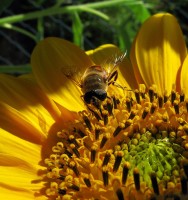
(20, 176)
(10, 194)
(159, 51)
(21, 149)
(26, 96)
(51, 60)
(14, 122)
(19, 161)
(29, 82)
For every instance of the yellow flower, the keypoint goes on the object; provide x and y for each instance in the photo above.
(133, 146)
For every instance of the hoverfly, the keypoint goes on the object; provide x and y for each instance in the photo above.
(95, 81)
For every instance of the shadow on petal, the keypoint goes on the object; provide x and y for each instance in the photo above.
(51, 60)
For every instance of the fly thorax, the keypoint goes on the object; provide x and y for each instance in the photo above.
(93, 82)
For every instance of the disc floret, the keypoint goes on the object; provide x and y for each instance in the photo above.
(133, 146)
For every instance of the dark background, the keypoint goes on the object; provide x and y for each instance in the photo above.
(15, 47)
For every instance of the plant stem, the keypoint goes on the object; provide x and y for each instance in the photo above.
(20, 30)
(68, 9)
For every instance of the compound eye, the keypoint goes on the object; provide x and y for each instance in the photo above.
(87, 97)
(101, 94)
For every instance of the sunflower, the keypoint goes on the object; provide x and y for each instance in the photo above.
(134, 145)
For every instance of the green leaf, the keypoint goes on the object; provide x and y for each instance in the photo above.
(77, 29)
(4, 4)
(141, 12)
(127, 20)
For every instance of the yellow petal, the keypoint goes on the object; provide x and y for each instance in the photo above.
(51, 60)
(10, 194)
(39, 97)
(137, 74)
(159, 51)
(13, 191)
(14, 122)
(26, 96)
(105, 55)
(184, 77)
(19, 177)
(19, 166)
(15, 147)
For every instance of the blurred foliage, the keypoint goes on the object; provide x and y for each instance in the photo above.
(88, 24)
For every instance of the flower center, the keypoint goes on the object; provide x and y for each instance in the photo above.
(133, 147)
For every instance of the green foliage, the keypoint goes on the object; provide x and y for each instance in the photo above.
(87, 24)
(4, 4)
(77, 28)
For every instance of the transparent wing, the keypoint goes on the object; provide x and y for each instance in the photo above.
(111, 64)
(73, 73)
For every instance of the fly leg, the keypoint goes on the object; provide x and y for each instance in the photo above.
(92, 107)
(112, 78)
